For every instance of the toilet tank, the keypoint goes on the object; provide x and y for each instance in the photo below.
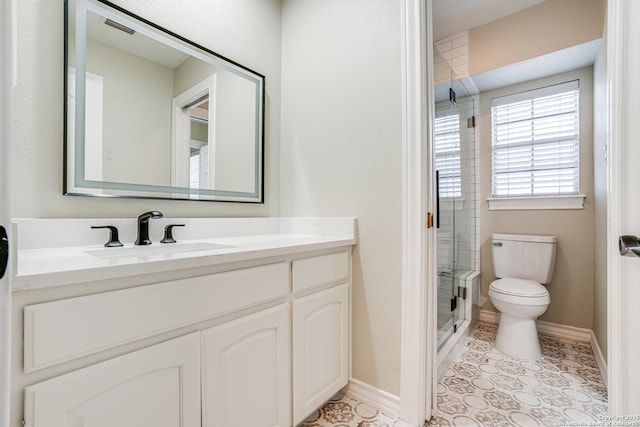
(524, 256)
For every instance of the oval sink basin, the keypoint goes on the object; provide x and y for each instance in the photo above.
(160, 249)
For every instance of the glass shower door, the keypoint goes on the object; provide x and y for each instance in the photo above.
(454, 145)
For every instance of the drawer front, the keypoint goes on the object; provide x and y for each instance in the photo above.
(320, 271)
(63, 330)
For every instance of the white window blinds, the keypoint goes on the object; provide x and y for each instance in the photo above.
(535, 140)
(447, 145)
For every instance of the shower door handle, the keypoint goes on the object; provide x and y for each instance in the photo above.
(437, 199)
(629, 246)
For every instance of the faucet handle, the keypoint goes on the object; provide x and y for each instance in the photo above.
(168, 237)
(113, 236)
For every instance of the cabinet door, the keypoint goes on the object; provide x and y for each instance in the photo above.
(320, 349)
(247, 371)
(155, 387)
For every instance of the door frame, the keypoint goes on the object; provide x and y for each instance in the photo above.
(622, 318)
(181, 131)
(8, 75)
(418, 357)
(418, 353)
(615, 36)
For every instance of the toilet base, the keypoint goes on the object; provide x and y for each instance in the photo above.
(518, 338)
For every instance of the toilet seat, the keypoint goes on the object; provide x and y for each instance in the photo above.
(519, 291)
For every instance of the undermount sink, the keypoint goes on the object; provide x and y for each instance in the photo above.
(161, 249)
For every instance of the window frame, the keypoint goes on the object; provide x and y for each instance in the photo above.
(568, 200)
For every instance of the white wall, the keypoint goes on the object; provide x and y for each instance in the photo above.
(341, 154)
(247, 31)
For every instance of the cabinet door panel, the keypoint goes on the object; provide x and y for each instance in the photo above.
(247, 371)
(155, 387)
(320, 349)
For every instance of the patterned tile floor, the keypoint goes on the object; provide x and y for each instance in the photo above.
(345, 411)
(485, 388)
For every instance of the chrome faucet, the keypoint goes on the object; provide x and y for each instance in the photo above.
(143, 227)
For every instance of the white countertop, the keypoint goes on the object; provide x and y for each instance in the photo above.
(46, 267)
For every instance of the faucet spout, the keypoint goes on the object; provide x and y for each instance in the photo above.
(143, 227)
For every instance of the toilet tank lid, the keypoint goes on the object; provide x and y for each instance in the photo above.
(518, 287)
(524, 238)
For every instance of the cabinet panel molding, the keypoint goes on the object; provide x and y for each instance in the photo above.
(246, 371)
(320, 349)
(158, 386)
(63, 330)
(320, 270)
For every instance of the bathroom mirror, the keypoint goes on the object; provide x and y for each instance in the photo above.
(151, 114)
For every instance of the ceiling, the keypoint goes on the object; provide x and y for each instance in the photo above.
(451, 17)
(454, 16)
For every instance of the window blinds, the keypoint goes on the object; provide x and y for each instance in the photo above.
(535, 141)
(447, 147)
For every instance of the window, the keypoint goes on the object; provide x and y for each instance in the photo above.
(535, 142)
(447, 143)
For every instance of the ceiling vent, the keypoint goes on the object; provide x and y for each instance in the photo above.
(118, 26)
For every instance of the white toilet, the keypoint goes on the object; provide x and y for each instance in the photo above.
(523, 264)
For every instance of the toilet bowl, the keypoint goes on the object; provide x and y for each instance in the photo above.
(520, 302)
(522, 264)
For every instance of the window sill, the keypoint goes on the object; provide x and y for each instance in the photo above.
(574, 201)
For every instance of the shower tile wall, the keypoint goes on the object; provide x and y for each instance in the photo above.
(451, 69)
(454, 51)
(465, 207)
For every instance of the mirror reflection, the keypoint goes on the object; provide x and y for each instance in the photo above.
(152, 115)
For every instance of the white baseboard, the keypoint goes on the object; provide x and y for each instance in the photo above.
(560, 331)
(385, 401)
(597, 352)
(489, 316)
(549, 328)
(563, 331)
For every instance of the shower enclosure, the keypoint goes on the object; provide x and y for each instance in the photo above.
(456, 178)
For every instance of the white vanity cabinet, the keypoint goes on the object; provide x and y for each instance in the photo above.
(154, 387)
(246, 371)
(264, 342)
(321, 331)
